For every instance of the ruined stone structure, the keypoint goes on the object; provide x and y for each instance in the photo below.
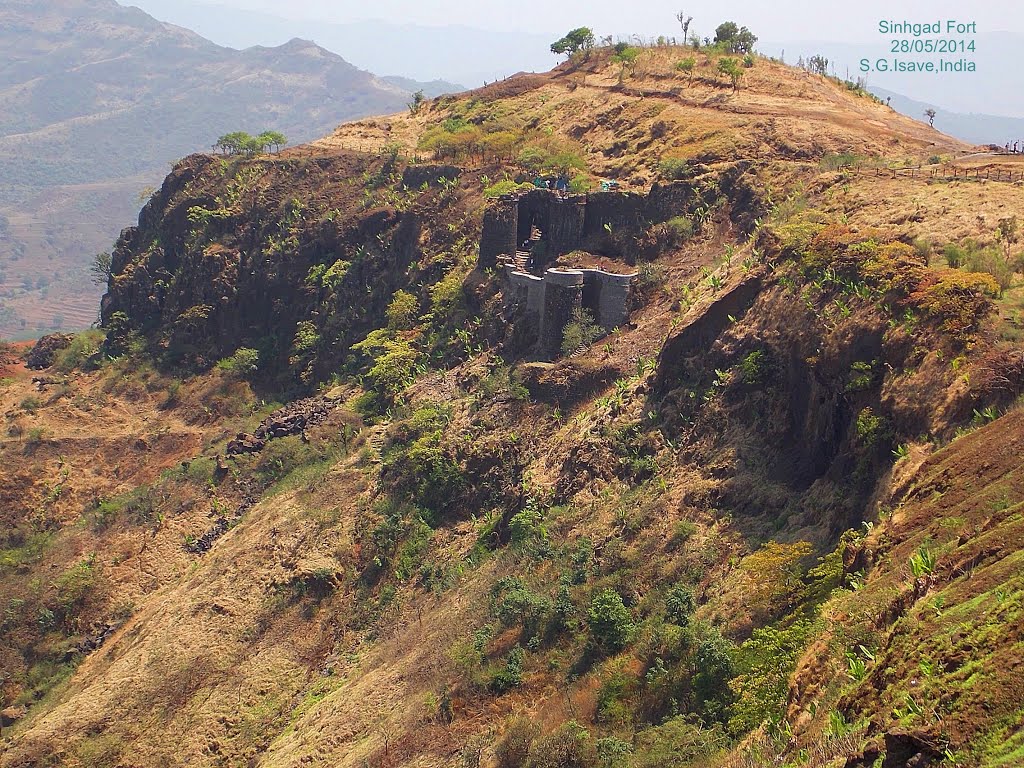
(546, 304)
(528, 232)
(567, 223)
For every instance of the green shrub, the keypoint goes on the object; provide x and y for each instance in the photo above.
(613, 696)
(666, 236)
(612, 752)
(873, 431)
(513, 749)
(713, 660)
(394, 363)
(683, 532)
(243, 363)
(72, 589)
(680, 742)
(514, 604)
(83, 351)
(505, 187)
(401, 312)
(611, 625)
(139, 506)
(763, 665)
(568, 747)
(580, 184)
(580, 332)
(426, 473)
(511, 675)
(31, 404)
(526, 527)
(503, 381)
(990, 261)
(755, 368)
(674, 169)
(410, 556)
(282, 456)
(679, 605)
(956, 255)
(832, 162)
(446, 294)
(860, 377)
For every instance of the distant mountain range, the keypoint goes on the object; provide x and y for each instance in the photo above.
(450, 52)
(979, 129)
(97, 99)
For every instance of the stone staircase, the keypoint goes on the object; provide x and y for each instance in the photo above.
(521, 260)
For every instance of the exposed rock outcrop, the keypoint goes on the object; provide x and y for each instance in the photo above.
(43, 352)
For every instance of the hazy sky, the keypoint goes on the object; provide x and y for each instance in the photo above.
(778, 20)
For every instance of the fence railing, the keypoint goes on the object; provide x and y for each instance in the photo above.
(945, 172)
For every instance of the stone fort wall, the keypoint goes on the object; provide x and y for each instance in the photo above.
(548, 303)
(569, 222)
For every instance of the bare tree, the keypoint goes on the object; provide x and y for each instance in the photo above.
(930, 114)
(684, 22)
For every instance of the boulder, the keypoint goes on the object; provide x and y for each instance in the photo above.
(42, 353)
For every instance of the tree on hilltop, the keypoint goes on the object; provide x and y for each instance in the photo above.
(417, 101)
(581, 39)
(930, 114)
(734, 39)
(274, 139)
(241, 143)
(818, 64)
(233, 143)
(626, 56)
(684, 22)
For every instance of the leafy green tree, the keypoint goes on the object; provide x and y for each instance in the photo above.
(687, 65)
(734, 39)
(726, 32)
(713, 663)
(679, 605)
(272, 139)
(627, 57)
(731, 69)
(581, 39)
(233, 143)
(610, 622)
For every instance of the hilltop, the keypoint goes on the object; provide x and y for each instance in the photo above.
(350, 478)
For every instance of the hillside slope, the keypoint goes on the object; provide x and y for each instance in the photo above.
(96, 99)
(771, 518)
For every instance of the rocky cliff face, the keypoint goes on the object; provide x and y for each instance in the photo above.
(239, 255)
